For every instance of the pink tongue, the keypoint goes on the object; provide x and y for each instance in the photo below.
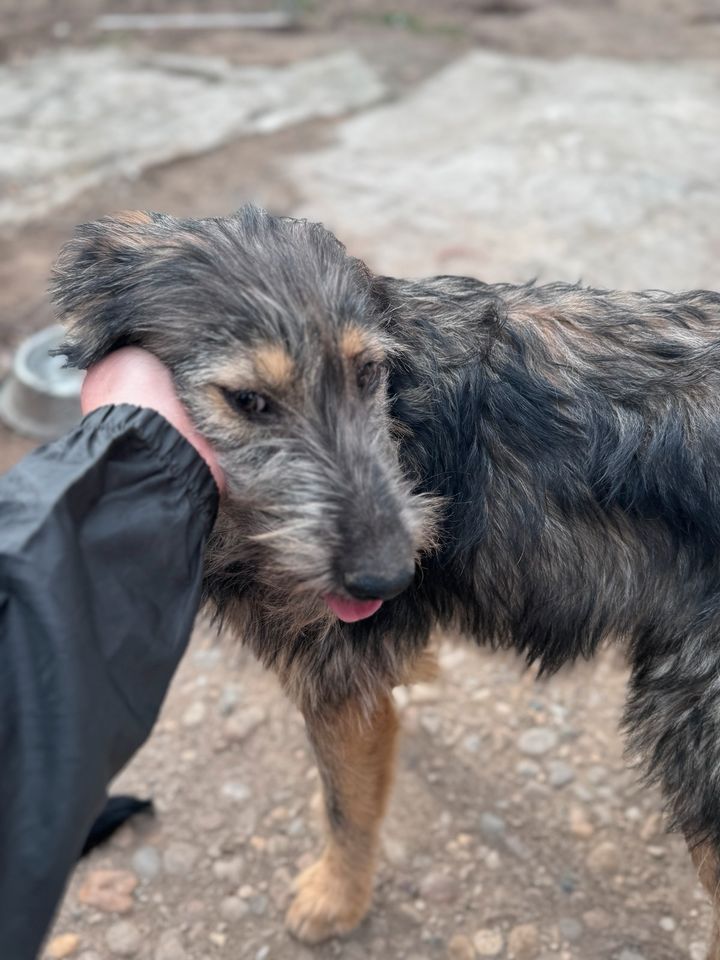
(352, 610)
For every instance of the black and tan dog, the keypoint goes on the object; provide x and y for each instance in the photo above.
(535, 466)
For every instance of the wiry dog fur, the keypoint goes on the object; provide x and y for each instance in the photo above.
(548, 456)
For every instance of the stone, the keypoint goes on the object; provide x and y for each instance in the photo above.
(108, 890)
(560, 774)
(439, 888)
(195, 714)
(488, 942)
(570, 929)
(233, 909)
(537, 741)
(170, 947)
(518, 847)
(523, 941)
(628, 954)
(651, 827)
(460, 948)
(146, 862)
(492, 825)
(242, 723)
(580, 825)
(230, 696)
(604, 858)
(64, 945)
(667, 924)
(258, 904)
(596, 919)
(236, 791)
(180, 857)
(529, 769)
(123, 939)
(231, 870)
(430, 722)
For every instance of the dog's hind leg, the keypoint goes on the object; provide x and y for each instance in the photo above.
(356, 753)
(706, 863)
(673, 720)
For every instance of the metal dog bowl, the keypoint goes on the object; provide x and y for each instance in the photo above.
(40, 398)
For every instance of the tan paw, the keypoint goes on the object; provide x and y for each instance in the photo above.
(326, 904)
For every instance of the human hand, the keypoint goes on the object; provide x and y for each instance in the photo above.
(132, 375)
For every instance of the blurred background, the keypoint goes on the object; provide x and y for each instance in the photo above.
(507, 139)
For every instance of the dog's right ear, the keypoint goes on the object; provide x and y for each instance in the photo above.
(97, 281)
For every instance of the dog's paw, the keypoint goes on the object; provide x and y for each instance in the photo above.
(327, 903)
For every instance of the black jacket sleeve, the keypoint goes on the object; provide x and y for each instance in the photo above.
(101, 538)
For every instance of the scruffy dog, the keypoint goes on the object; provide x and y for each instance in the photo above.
(537, 467)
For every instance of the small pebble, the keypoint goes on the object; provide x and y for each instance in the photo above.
(123, 939)
(537, 741)
(62, 946)
(233, 909)
(439, 888)
(231, 870)
(560, 774)
(180, 858)
(146, 862)
(170, 947)
(488, 942)
(580, 825)
(460, 948)
(195, 714)
(570, 929)
(238, 792)
(492, 825)
(258, 905)
(431, 723)
(604, 858)
(524, 942)
(241, 724)
(596, 919)
(108, 890)
(528, 769)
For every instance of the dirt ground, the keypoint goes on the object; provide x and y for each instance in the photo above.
(517, 829)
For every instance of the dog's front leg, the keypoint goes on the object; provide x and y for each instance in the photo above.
(355, 753)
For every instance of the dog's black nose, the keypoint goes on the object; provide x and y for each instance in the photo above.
(368, 585)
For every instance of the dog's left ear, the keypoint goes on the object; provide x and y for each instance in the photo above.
(97, 280)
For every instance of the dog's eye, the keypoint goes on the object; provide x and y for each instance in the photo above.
(247, 401)
(368, 375)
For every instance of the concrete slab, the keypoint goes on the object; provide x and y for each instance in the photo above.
(506, 168)
(71, 120)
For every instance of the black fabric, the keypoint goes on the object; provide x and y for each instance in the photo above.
(101, 538)
(117, 811)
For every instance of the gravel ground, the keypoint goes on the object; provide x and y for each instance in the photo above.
(517, 829)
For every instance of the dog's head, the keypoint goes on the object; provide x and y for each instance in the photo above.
(280, 348)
